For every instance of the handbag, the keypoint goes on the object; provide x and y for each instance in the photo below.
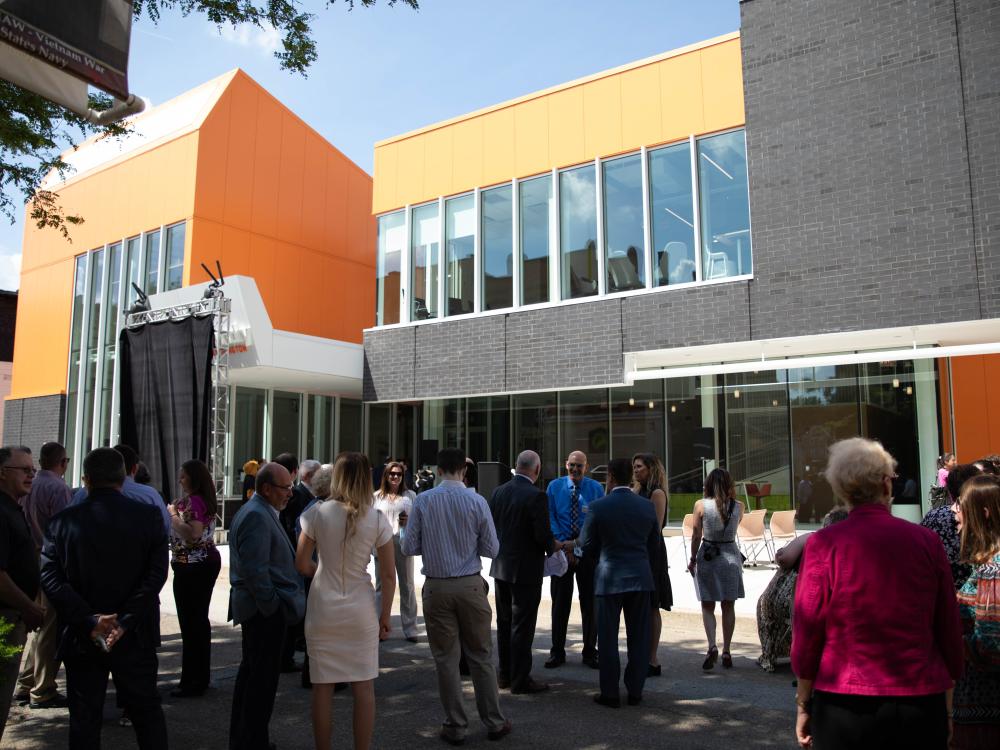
(711, 547)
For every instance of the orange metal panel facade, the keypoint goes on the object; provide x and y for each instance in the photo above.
(692, 91)
(976, 406)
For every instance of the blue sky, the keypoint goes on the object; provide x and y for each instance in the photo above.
(383, 71)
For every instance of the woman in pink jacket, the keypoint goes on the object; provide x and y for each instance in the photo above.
(876, 640)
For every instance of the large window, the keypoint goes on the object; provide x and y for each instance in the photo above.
(110, 342)
(624, 241)
(247, 427)
(391, 244)
(725, 205)
(284, 423)
(152, 271)
(90, 358)
(319, 428)
(425, 246)
(350, 427)
(578, 232)
(133, 269)
(460, 242)
(175, 256)
(498, 248)
(535, 210)
(76, 336)
(672, 215)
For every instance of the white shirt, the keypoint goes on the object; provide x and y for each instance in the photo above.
(392, 506)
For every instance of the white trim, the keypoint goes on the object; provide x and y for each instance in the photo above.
(696, 210)
(602, 281)
(555, 251)
(647, 218)
(477, 250)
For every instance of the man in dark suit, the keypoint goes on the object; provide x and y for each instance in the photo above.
(521, 516)
(265, 598)
(104, 562)
(621, 535)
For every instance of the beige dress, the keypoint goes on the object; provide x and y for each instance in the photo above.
(341, 619)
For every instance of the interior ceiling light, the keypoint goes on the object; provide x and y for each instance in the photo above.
(650, 404)
(909, 390)
(895, 382)
(673, 408)
(631, 402)
(736, 393)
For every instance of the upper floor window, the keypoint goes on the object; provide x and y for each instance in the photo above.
(425, 243)
(725, 205)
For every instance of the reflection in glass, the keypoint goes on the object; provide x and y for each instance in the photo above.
(175, 256)
(460, 244)
(578, 232)
(76, 336)
(498, 248)
(637, 419)
(672, 215)
(285, 423)
(535, 427)
(624, 242)
(583, 420)
(444, 422)
(379, 433)
(110, 342)
(248, 428)
(689, 440)
(534, 210)
(889, 415)
(90, 359)
(133, 273)
(319, 428)
(350, 425)
(391, 241)
(489, 429)
(725, 205)
(152, 271)
(425, 249)
(406, 426)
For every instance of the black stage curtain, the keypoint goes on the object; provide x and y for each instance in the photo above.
(166, 387)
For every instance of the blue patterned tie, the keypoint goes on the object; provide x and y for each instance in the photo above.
(574, 514)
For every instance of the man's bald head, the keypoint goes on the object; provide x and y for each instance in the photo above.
(576, 465)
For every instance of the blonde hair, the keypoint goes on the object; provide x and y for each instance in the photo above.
(352, 486)
(856, 469)
(980, 504)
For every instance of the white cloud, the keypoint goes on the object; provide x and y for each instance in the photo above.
(10, 269)
(266, 39)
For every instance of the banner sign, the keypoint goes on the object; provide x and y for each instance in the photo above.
(86, 38)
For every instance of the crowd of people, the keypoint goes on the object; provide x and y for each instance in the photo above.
(892, 628)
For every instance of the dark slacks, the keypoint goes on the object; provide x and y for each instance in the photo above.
(562, 600)
(860, 722)
(193, 584)
(133, 668)
(517, 612)
(635, 605)
(256, 682)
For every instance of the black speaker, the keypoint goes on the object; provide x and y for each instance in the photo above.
(703, 445)
(428, 452)
(491, 475)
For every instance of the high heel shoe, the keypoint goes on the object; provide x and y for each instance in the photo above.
(713, 654)
(727, 660)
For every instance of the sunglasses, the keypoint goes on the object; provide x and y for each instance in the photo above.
(395, 473)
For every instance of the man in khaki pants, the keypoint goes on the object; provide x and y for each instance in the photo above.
(452, 528)
(49, 495)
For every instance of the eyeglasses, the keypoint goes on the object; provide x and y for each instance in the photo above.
(285, 487)
(29, 471)
(575, 466)
(395, 473)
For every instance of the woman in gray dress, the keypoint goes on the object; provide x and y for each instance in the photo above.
(716, 562)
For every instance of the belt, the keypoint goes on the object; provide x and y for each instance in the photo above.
(713, 541)
(450, 578)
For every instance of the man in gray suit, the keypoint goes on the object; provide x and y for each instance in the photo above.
(266, 597)
(621, 535)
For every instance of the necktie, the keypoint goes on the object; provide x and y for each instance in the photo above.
(574, 513)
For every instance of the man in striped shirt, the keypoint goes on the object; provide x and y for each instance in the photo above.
(452, 528)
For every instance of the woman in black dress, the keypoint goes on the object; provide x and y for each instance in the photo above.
(649, 479)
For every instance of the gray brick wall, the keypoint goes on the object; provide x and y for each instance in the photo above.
(703, 315)
(450, 356)
(34, 421)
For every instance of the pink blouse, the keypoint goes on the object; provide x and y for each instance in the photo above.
(875, 610)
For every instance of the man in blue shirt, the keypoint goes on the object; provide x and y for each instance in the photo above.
(569, 498)
(141, 493)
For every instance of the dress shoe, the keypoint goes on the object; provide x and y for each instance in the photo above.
(710, 658)
(22, 699)
(591, 661)
(456, 741)
(412, 639)
(634, 700)
(290, 667)
(503, 682)
(530, 687)
(555, 661)
(609, 702)
(654, 670)
(499, 734)
(56, 701)
(727, 660)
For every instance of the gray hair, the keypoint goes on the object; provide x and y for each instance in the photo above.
(307, 468)
(527, 461)
(321, 480)
(9, 450)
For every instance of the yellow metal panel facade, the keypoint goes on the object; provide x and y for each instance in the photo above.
(565, 131)
(531, 137)
(498, 147)
(724, 108)
(602, 120)
(437, 162)
(467, 168)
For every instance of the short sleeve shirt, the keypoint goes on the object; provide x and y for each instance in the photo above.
(193, 508)
(18, 554)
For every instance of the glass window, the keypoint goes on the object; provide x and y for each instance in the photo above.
(672, 215)
(247, 431)
(460, 242)
(152, 271)
(391, 241)
(624, 240)
(637, 420)
(319, 428)
(425, 244)
(725, 205)
(285, 423)
(691, 432)
(407, 421)
(534, 210)
(444, 423)
(76, 336)
(583, 422)
(90, 359)
(175, 256)
(132, 273)
(578, 232)
(498, 248)
(889, 414)
(379, 433)
(110, 342)
(350, 425)
(535, 427)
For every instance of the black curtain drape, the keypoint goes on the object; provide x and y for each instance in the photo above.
(166, 392)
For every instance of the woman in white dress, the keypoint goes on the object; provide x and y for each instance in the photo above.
(342, 633)
(396, 502)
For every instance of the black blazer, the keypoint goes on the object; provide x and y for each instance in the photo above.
(621, 535)
(521, 516)
(106, 555)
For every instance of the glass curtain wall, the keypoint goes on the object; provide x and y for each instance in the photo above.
(110, 342)
(90, 359)
(889, 415)
(319, 428)
(498, 247)
(285, 423)
(535, 212)
(388, 283)
(584, 425)
(76, 337)
(672, 215)
(460, 244)
(175, 257)
(578, 232)
(152, 270)
(637, 424)
(351, 425)
(133, 270)
(249, 405)
(624, 235)
(425, 244)
(725, 205)
(535, 426)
